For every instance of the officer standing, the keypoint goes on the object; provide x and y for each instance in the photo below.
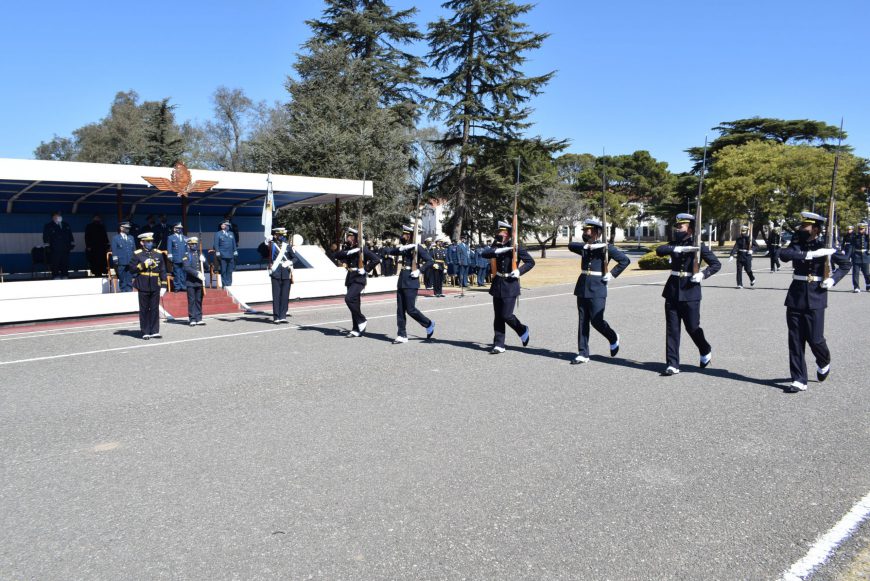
(149, 270)
(463, 259)
(225, 250)
(439, 256)
(96, 246)
(682, 292)
(355, 281)
(774, 243)
(743, 247)
(193, 268)
(58, 237)
(591, 287)
(281, 274)
(860, 249)
(807, 298)
(161, 234)
(452, 263)
(177, 249)
(482, 264)
(506, 286)
(122, 253)
(409, 285)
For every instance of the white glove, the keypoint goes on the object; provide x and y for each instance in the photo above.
(200, 276)
(819, 253)
(514, 274)
(218, 254)
(415, 273)
(361, 271)
(202, 258)
(596, 246)
(352, 251)
(286, 263)
(405, 247)
(235, 253)
(503, 249)
(698, 277)
(150, 263)
(730, 259)
(749, 252)
(114, 259)
(827, 283)
(681, 249)
(607, 278)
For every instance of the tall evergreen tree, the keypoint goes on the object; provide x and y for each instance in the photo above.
(482, 93)
(374, 33)
(163, 143)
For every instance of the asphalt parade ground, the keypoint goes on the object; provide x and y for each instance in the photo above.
(246, 450)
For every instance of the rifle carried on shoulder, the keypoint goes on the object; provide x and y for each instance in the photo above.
(415, 261)
(832, 206)
(698, 223)
(606, 260)
(515, 224)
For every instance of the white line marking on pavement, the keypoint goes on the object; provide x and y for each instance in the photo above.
(158, 343)
(826, 544)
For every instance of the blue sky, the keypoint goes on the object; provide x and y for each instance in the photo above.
(630, 74)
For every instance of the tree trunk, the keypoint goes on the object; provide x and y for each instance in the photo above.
(466, 134)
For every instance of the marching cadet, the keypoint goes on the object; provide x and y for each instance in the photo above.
(505, 286)
(409, 285)
(193, 266)
(177, 250)
(743, 247)
(281, 273)
(807, 298)
(427, 276)
(860, 249)
(591, 287)
(226, 250)
(122, 253)
(355, 281)
(439, 256)
(682, 292)
(774, 243)
(149, 271)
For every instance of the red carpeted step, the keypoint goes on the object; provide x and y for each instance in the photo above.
(216, 302)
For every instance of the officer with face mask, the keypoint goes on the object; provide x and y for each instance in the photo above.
(409, 284)
(280, 273)
(744, 247)
(682, 292)
(58, 236)
(226, 251)
(860, 253)
(591, 287)
(807, 298)
(355, 280)
(149, 271)
(177, 247)
(123, 247)
(193, 265)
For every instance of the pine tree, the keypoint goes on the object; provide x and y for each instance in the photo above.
(483, 93)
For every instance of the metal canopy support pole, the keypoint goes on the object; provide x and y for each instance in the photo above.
(337, 221)
(119, 202)
(184, 201)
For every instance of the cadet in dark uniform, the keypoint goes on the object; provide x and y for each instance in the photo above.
(193, 265)
(743, 247)
(682, 292)
(860, 255)
(123, 247)
(177, 248)
(409, 285)
(226, 250)
(439, 255)
(58, 237)
(149, 271)
(96, 246)
(281, 273)
(591, 287)
(807, 298)
(355, 281)
(506, 286)
(774, 243)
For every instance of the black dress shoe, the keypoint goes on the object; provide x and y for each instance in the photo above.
(822, 376)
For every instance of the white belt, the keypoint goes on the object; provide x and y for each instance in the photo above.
(680, 274)
(406, 268)
(741, 250)
(808, 278)
(592, 273)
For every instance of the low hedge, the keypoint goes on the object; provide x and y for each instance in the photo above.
(651, 261)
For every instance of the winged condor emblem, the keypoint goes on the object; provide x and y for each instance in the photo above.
(180, 182)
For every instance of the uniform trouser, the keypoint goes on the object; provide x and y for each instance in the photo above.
(806, 326)
(481, 275)
(149, 312)
(774, 258)
(59, 262)
(125, 279)
(504, 315)
(280, 298)
(406, 302)
(744, 264)
(427, 277)
(592, 313)
(353, 302)
(862, 267)
(437, 280)
(97, 263)
(179, 278)
(194, 303)
(689, 312)
(463, 275)
(227, 266)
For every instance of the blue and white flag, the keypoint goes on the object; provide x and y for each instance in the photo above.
(268, 208)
